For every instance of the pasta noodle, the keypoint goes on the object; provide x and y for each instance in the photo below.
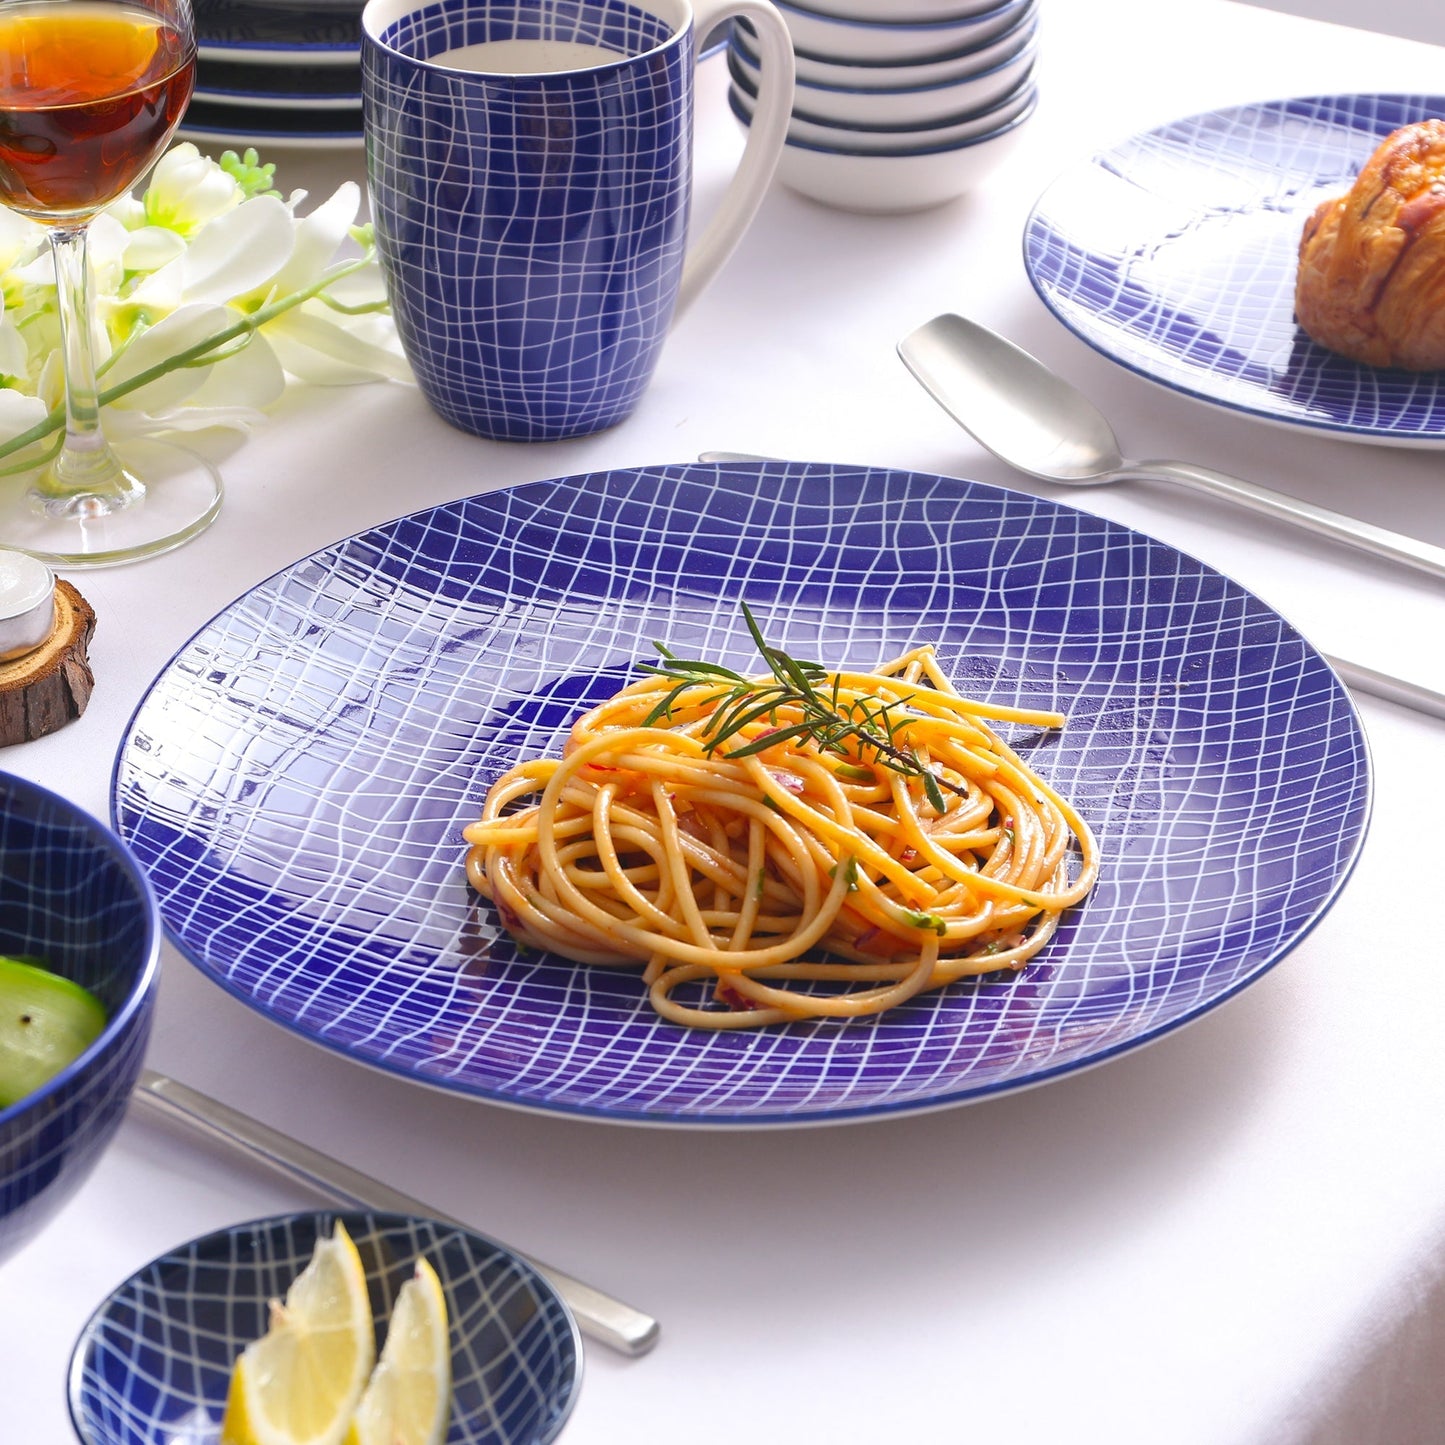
(801, 874)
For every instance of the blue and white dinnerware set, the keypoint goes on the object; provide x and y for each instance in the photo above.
(276, 74)
(899, 104)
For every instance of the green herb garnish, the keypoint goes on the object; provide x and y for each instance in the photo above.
(868, 725)
(930, 921)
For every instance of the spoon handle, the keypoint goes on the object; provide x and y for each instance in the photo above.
(1359, 678)
(1350, 531)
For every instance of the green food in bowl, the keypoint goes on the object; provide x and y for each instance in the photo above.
(46, 1022)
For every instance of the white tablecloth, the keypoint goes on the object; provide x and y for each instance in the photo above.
(1234, 1236)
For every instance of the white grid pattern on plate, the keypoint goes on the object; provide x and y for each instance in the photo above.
(297, 780)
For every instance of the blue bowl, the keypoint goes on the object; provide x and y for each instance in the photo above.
(71, 893)
(154, 1363)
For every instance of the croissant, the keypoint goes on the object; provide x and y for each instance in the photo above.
(1371, 281)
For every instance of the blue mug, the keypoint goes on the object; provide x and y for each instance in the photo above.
(530, 164)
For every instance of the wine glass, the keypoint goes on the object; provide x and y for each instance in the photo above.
(90, 93)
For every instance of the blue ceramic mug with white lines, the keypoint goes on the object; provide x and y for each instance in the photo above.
(530, 165)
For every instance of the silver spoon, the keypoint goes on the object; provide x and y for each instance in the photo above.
(1034, 420)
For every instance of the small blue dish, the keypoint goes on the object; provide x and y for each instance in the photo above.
(1175, 253)
(153, 1365)
(72, 895)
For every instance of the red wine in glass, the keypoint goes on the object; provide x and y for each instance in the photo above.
(90, 93)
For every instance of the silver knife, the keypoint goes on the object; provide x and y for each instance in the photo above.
(606, 1320)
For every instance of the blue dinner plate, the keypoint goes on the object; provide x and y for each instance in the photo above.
(256, 103)
(154, 1362)
(272, 126)
(283, 33)
(307, 84)
(296, 781)
(240, 30)
(1175, 254)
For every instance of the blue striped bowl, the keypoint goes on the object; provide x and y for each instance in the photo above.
(154, 1362)
(71, 894)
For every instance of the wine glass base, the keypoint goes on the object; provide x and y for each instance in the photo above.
(182, 497)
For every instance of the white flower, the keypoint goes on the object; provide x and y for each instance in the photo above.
(253, 379)
(187, 190)
(229, 257)
(19, 412)
(208, 292)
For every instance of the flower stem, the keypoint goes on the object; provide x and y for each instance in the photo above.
(200, 354)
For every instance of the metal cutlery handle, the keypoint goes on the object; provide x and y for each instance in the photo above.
(1359, 678)
(1350, 531)
(608, 1321)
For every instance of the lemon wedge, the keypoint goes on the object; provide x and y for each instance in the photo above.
(408, 1400)
(299, 1384)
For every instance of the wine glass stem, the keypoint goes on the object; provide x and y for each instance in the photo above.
(85, 480)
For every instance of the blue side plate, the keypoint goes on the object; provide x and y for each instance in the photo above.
(1174, 254)
(296, 781)
(155, 1360)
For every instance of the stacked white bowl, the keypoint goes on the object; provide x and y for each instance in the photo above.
(900, 104)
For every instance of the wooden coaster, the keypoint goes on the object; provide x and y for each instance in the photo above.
(49, 687)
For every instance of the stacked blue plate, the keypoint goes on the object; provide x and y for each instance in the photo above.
(273, 74)
(899, 104)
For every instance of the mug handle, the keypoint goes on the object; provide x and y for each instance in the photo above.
(766, 135)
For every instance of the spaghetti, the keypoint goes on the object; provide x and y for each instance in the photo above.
(763, 866)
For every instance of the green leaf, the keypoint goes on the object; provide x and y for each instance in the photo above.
(745, 711)
(677, 664)
(929, 921)
(768, 740)
(669, 700)
(934, 792)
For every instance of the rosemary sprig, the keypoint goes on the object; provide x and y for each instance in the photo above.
(870, 725)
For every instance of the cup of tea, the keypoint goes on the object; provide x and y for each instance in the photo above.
(531, 182)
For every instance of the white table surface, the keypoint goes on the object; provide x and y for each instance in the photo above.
(1235, 1235)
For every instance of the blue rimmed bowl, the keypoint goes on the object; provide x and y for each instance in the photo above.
(874, 72)
(153, 1365)
(859, 93)
(888, 174)
(72, 895)
(900, 9)
(891, 39)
